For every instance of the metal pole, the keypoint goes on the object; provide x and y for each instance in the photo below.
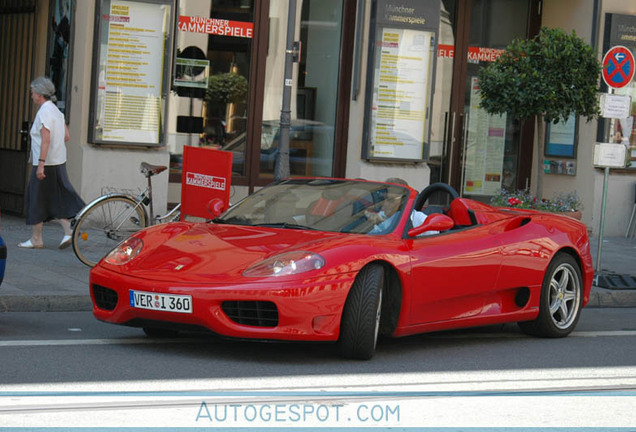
(282, 158)
(602, 224)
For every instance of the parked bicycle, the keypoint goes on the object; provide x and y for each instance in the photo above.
(111, 218)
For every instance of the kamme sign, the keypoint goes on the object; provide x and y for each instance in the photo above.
(475, 54)
(207, 175)
(213, 26)
(206, 181)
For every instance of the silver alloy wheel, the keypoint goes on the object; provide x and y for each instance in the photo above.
(564, 296)
(377, 318)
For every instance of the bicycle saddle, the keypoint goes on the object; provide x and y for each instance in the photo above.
(150, 170)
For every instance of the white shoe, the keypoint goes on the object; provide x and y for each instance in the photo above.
(66, 242)
(29, 245)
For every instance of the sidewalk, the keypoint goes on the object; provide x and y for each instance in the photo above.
(55, 280)
(47, 279)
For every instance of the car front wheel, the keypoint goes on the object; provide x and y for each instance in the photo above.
(561, 300)
(360, 323)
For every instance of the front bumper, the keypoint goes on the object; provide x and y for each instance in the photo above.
(308, 309)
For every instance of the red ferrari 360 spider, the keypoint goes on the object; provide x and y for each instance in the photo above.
(341, 260)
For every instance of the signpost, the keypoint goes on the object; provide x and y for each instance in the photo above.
(618, 67)
(606, 156)
(618, 71)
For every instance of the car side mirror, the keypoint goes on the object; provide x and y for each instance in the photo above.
(215, 207)
(434, 222)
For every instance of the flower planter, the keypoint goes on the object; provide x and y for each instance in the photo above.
(578, 214)
(562, 204)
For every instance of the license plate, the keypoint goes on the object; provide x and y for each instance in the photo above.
(161, 302)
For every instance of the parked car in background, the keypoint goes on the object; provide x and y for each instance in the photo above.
(321, 259)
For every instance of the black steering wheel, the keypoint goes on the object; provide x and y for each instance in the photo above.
(430, 190)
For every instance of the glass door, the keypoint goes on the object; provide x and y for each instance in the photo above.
(490, 150)
(478, 153)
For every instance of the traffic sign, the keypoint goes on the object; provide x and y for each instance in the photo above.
(618, 67)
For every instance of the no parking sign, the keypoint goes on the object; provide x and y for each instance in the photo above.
(618, 67)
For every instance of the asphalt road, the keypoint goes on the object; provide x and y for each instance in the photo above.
(74, 347)
(590, 375)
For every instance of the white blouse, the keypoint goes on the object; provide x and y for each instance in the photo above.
(50, 117)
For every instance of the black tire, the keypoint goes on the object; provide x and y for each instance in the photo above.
(360, 322)
(156, 332)
(105, 224)
(561, 300)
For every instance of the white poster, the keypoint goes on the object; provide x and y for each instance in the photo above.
(131, 75)
(401, 96)
(484, 148)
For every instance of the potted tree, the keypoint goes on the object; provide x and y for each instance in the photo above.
(548, 78)
(229, 87)
(224, 96)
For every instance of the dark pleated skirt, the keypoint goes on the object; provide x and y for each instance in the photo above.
(51, 198)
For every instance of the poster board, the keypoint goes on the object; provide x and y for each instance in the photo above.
(129, 86)
(484, 148)
(400, 81)
(562, 138)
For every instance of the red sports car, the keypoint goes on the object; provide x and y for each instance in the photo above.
(341, 260)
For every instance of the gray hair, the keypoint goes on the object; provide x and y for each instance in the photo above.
(45, 87)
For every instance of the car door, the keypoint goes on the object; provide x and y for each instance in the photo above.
(452, 273)
(526, 250)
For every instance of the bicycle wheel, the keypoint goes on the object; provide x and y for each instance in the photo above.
(100, 227)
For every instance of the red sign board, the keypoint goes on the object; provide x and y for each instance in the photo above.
(475, 54)
(618, 67)
(214, 26)
(207, 174)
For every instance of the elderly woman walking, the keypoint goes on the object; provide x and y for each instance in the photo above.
(50, 194)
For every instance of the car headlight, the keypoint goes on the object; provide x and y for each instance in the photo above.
(125, 252)
(289, 263)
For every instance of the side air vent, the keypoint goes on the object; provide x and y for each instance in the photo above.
(517, 222)
(522, 297)
(105, 298)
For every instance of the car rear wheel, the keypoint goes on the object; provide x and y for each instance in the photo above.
(360, 323)
(561, 300)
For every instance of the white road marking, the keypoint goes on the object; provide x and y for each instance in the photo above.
(150, 341)
(67, 342)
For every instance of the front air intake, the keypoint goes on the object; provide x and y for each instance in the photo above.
(251, 313)
(105, 298)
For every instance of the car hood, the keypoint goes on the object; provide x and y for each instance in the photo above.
(217, 253)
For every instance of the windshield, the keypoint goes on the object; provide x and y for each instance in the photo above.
(324, 205)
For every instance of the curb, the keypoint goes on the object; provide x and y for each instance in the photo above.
(599, 298)
(46, 303)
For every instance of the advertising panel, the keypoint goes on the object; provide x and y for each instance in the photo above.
(398, 101)
(484, 148)
(207, 174)
(130, 81)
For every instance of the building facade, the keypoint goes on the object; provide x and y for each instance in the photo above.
(380, 88)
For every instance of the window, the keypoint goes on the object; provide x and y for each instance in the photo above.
(315, 88)
(242, 46)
